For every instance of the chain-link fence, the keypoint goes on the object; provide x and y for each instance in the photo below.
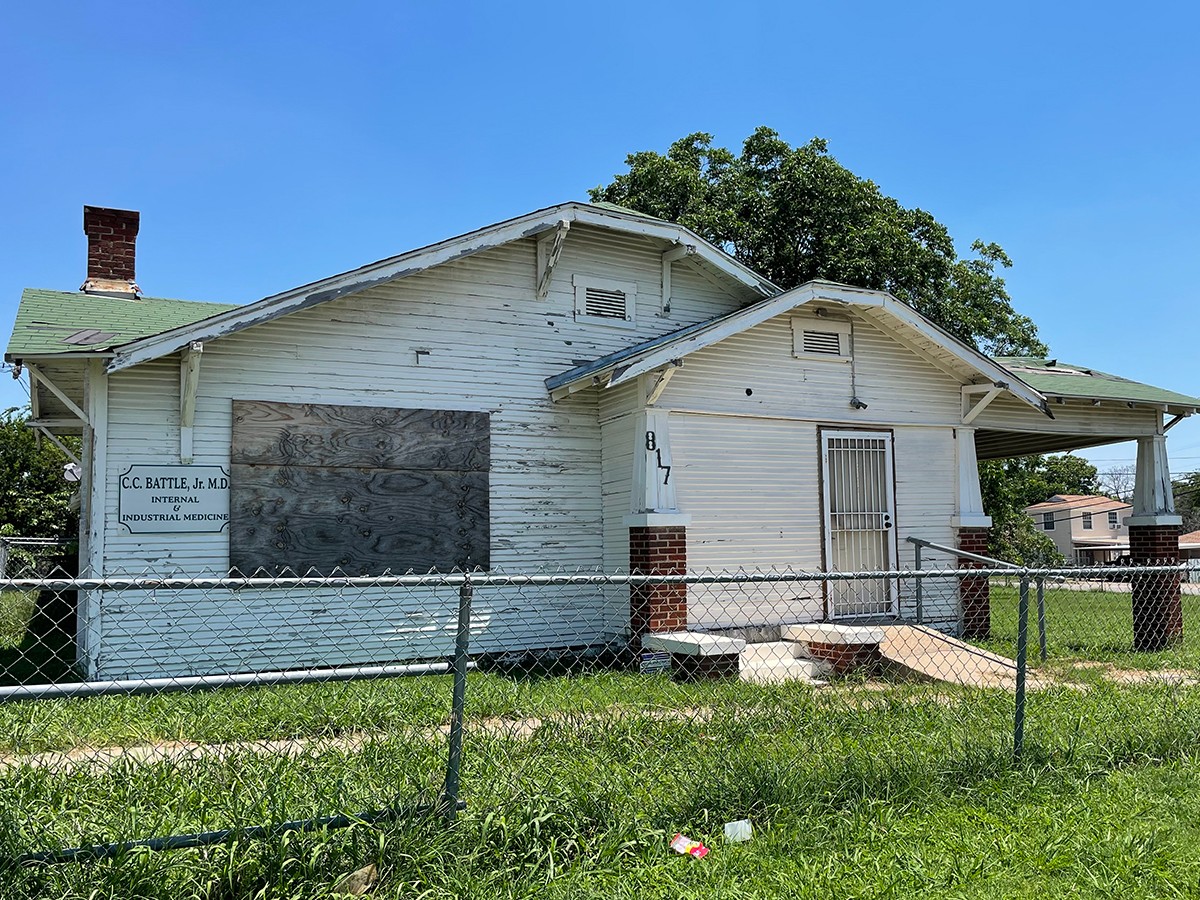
(33, 556)
(173, 712)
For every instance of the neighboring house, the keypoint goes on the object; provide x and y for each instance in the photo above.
(579, 387)
(1189, 545)
(1086, 528)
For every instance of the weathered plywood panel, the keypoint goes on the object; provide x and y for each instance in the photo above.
(361, 521)
(360, 489)
(282, 434)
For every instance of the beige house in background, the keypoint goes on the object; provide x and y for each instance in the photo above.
(1086, 528)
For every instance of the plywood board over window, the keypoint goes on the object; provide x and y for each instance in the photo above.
(361, 489)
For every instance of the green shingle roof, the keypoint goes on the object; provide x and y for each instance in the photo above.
(1059, 379)
(65, 322)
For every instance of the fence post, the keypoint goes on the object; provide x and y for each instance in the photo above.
(920, 589)
(1022, 653)
(1041, 616)
(454, 761)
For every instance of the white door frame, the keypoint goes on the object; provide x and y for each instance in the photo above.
(885, 495)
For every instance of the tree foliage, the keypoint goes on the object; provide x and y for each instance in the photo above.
(1187, 500)
(795, 214)
(34, 496)
(1009, 486)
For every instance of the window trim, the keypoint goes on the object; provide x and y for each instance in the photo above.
(1047, 521)
(1114, 519)
(628, 288)
(1086, 520)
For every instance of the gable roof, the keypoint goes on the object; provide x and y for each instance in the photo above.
(899, 319)
(1090, 502)
(608, 216)
(1057, 379)
(65, 322)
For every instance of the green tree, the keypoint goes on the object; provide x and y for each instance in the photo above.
(35, 498)
(795, 214)
(1010, 485)
(1187, 500)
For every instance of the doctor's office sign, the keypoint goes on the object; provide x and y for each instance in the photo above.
(163, 499)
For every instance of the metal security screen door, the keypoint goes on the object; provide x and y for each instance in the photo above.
(859, 516)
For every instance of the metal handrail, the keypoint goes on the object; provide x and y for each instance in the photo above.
(955, 551)
(995, 563)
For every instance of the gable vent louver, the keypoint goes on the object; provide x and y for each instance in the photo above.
(828, 342)
(605, 304)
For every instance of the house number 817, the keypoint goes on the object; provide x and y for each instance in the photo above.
(652, 445)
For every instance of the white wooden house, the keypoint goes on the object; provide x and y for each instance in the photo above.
(552, 390)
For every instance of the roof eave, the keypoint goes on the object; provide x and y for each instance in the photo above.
(419, 260)
(66, 354)
(626, 369)
(1168, 406)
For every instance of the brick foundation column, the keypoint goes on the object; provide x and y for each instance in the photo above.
(974, 594)
(1157, 610)
(657, 550)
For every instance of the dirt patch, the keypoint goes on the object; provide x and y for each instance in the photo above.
(1179, 677)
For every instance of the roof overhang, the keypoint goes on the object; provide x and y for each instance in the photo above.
(412, 262)
(898, 318)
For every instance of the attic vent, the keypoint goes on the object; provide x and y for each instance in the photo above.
(604, 302)
(822, 342)
(821, 337)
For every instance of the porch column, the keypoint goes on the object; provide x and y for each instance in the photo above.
(1154, 540)
(657, 530)
(973, 528)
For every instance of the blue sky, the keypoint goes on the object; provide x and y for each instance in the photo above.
(268, 144)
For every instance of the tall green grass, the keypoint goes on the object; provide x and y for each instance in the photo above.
(1090, 625)
(853, 793)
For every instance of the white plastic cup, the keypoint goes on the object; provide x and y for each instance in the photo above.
(741, 830)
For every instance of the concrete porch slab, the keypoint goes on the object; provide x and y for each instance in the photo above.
(833, 633)
(691, 643)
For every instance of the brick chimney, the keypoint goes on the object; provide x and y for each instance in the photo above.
(111, 234)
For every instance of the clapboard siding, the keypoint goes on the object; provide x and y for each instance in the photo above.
(486, 345)
(1073, 417)
(926, 501)
(752, 489)
(181, 633)
(616, 472)
(898, 386)
(748, 464)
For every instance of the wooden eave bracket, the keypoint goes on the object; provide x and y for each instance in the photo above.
(70, 454)
(549, 248)
(37, 376)
(583, 384)
(189, 382)
(679, 251)
(986, 392)
(660, 382)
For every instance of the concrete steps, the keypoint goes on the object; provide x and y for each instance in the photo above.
(773, 662)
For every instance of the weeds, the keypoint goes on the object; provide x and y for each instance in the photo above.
(904, 792)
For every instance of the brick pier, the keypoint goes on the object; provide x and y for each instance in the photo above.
(658, 550)
(1157, 609)
(974, 594)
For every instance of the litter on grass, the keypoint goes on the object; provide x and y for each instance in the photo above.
(738, 831)
(685, 845)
